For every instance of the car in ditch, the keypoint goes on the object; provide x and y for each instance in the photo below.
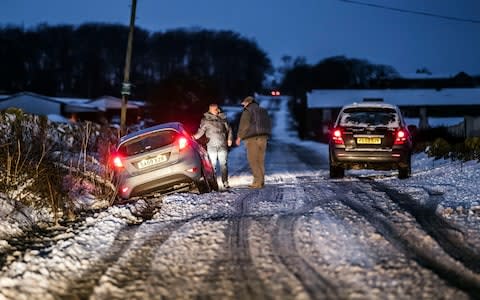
(370, 135)
(162, 158)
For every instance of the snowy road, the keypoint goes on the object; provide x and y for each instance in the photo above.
(304, 236)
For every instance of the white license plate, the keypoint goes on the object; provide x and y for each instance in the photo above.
(151, 161)
(369, 140)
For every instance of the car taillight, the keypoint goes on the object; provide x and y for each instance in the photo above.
(117, 162)
(337, 137)
(182, 142)
(400, 137)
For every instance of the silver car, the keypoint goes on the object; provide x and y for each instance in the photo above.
(161, 158)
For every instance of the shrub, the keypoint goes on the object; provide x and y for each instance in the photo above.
(440, 148)
(37, 155)
(472, 147)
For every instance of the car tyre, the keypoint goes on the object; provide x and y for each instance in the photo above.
(405, 172)
(203, 185)
(214, 184)
(336, 172)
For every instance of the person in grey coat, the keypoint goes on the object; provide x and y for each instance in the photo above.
(215, 127)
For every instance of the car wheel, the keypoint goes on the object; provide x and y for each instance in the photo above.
(405, 172)
(214, 184)
(203, 185)
(336, 172)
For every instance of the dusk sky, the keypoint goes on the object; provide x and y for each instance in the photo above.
(314, 29)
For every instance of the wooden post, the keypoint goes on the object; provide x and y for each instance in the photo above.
(126, 86)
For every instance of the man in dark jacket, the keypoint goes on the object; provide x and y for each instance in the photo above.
(219, 135)
(254, 129)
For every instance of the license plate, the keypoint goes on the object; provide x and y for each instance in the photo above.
(369, 140)
(151, 161)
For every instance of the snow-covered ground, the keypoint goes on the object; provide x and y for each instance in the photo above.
(455, 184)
(457, 181)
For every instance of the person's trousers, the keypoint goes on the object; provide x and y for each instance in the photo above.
(220, 154)
(256, 148)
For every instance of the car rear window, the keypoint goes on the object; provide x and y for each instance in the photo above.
(148, 142)
(364, 117)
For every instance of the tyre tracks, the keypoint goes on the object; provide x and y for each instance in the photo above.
(448, 236)
(126, 269)
(283, 249)
(316, 285)
(248, 283)
(408, 237)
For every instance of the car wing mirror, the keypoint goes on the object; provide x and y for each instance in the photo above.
(412, 129)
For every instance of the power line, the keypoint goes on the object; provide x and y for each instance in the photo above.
(412, 11)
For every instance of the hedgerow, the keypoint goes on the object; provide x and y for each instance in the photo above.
(50, 165)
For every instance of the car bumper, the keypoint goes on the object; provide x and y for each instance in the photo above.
(175, 176)
(384, 159)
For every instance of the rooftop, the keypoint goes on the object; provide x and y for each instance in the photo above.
(400, 97)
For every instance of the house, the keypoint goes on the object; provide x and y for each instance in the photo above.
(107, 109)
(423, 105)
(104, 109)
(33, 103)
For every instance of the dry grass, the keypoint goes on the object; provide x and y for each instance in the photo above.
(49, 165)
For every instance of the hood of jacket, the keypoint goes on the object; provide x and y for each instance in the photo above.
(210, 117)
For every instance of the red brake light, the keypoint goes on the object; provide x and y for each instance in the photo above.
(400, 137)
(275, 93)
(182, 142)
(337, 137)
(117, 161)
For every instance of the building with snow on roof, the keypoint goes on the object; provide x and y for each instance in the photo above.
(105, 109)
(421, 107)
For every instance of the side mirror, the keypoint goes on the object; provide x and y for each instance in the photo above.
(412, 129)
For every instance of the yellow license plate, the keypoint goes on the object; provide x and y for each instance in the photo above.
(369, 140)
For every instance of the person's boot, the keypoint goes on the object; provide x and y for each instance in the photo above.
(255, 186)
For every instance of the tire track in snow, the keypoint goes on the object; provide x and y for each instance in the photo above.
(127, 274)
(285, 248)
(450, 238)
(314, 284)
(412, 241)
(248, 284)
(126, 269)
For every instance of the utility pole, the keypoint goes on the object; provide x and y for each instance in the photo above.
(126, 85)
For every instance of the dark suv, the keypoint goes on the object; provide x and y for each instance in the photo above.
(370, 135)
